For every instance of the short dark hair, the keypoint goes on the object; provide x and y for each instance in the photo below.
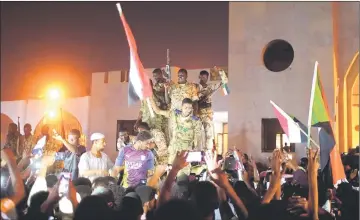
(187, 101)
(82, 181)
(246, 157)
(143, 136)
(75, 132)
(51, 180)
(304, 162)
(183, 71)
(144, 125)
(27, 125)
(12, 125)
(205, 197)
(157, 70)
(176, 209)
(100, 182)
(204, 72)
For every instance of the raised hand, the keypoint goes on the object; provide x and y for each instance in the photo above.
(313, 164)
(56, 136)
(298, 202)
(216, 174)
(54, 192)
(211, 161)
(180, 160)
(276, 162)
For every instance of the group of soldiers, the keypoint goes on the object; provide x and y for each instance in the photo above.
(180, 115)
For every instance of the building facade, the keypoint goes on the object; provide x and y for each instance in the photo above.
(317, 31)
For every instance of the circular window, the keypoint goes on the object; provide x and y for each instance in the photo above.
(278, 55)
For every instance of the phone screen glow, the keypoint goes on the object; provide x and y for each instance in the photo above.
(194, 157)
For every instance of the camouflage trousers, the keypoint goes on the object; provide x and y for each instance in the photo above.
(161, 123)
(206, 116)
(177, 146)
(155, 123)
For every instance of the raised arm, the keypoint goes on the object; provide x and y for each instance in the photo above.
(167, 93)
(138, 120)
(16, 180)
(157, 110)
(313, 167)
(195, 98)
(68, 146)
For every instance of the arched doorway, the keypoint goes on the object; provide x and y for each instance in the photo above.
(351, 104)
(5, 121)
(355, 113)
(55, 120)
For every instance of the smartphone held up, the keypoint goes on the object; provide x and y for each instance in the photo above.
(64, 183)
(194, 156)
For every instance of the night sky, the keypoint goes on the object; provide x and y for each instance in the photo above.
(61, 43)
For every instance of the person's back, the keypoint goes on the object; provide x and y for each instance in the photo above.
(176, 209)
(204, 196)
(92, 207)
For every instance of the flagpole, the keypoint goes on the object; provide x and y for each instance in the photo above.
(312, 102)
(150, 107)
(297, 125)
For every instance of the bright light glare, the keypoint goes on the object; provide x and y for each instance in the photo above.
(54, 94)
(52, 114)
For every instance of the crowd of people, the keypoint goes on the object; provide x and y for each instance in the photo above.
(153, 178)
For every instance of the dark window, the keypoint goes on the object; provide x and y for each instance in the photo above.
(272, 136)
(124, 76)
(278, 55)
(128, 125)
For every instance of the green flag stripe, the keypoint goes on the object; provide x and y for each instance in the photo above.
(319, 110)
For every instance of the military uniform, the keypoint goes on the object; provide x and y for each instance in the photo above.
(177, 93)
(206, 113)
(161, 147)
(186, 131)
(158, 121)
(12, 142)
(27, 144)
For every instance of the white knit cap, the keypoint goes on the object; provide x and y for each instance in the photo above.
(96, 136)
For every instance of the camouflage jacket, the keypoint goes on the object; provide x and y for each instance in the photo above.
(178, 92)
(185, 128)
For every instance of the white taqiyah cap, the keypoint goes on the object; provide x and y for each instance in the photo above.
(96, 136)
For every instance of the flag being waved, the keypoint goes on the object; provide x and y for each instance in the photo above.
(224, 81)
(294, 130)
(319, 117)
(139, 82)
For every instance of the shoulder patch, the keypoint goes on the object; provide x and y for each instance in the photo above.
(177, 111)
(195, 118)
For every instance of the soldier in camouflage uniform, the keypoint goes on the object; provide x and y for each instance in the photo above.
(186, 131)
(177, 92)
(158, 121)
(161, 149)
(205, 106)
(27, 141)
(13, 139)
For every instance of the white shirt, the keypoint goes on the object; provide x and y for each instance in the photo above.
(89, 162)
